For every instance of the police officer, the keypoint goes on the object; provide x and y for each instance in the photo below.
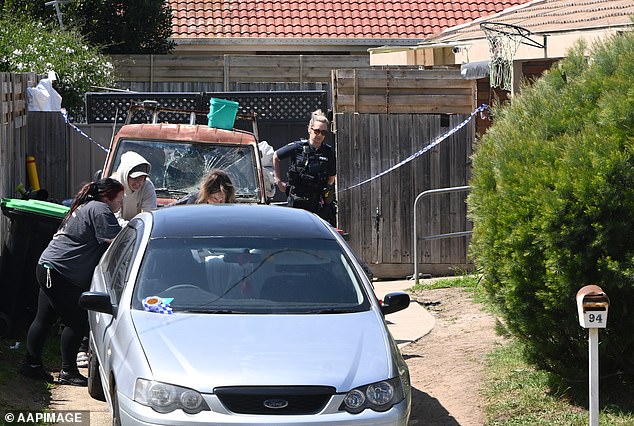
(311, 175)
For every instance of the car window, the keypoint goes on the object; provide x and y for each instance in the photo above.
(254, 275)
(178, 167)
(119, 259)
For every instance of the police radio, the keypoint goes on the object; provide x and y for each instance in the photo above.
(306, 152)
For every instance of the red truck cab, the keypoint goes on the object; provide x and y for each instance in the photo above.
(182, 154)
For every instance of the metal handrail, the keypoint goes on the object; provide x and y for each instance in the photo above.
(431, 237)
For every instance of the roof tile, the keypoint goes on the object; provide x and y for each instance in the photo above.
(325, 19)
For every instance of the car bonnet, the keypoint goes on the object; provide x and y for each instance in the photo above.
(204, 351)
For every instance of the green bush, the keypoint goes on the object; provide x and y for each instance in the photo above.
(30, 46)
(553, 208)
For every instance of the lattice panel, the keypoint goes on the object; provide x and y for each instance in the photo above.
(273, 106)
(104, 107)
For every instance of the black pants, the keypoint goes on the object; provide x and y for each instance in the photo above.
(314, 204)
(61, 300)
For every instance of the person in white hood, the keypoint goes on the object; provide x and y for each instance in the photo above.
(140, 195)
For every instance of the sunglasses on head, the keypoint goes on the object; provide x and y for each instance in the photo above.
(319, 131)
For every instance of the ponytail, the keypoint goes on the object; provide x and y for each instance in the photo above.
(319, 116)
(103, 188)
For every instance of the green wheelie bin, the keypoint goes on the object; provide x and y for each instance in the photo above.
(33, 224)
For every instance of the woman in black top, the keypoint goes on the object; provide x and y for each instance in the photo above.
(65, 270)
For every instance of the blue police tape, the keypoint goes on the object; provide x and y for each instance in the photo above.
(78, 130)
(436, 141)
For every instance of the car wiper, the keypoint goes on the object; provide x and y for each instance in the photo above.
(243, 196)
(211, 311)
(170, 191)
(332, 311)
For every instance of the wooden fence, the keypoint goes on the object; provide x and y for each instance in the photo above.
(374, 135)
(402, 90)
(217, 73)
(13, 136)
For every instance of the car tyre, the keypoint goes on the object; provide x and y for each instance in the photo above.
(95, 389)
(116, 415)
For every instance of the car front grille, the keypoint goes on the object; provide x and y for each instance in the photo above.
(275, 400)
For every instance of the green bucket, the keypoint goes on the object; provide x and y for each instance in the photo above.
(222, 113)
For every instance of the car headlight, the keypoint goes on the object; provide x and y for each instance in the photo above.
(379, 396)
(163, 397)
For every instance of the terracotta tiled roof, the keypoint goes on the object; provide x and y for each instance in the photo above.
(550, 17)
(358, 19)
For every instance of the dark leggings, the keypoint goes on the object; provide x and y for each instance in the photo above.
(61, 300)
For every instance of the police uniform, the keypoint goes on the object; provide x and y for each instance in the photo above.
(308, 177)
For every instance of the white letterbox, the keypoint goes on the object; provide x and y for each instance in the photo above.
(592, 306)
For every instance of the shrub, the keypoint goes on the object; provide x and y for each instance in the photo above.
(30, 46)
(553, 207)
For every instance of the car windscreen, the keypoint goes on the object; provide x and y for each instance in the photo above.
(249, 275)
(178, 167)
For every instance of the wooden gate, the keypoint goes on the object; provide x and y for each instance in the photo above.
(382, 117)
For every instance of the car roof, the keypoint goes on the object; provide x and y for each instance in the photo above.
(185, 132)
(237, 220)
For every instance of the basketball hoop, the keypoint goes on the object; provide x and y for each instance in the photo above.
(504, 39)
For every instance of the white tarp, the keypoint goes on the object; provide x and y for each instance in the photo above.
(43, 97)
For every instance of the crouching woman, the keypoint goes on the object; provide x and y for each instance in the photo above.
(65, 270)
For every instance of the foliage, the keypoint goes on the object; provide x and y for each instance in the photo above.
(123, 26)
(552, 204)
(28, 46)
(33, 8)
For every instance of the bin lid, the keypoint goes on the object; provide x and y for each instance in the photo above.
(36, 206)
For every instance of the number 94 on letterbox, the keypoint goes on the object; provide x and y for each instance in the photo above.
(592, 307)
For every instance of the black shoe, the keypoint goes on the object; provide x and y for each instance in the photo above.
(35, 371)
(72, 378)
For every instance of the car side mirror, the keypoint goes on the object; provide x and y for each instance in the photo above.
(96, 301)
(394, 302)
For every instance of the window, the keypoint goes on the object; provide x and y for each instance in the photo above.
(254, 275)
(118, 262)
(177, 166)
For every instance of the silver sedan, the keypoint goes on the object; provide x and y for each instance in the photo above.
(241, 315)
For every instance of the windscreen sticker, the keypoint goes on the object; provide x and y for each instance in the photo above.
(158, 304)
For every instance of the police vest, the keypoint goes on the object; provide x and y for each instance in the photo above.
(309, 171)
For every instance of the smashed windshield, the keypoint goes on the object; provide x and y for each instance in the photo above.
(178, 167)
(249, 275)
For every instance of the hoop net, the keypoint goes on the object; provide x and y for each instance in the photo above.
(502, 48)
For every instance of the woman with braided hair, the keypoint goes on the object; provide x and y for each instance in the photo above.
(64, 271)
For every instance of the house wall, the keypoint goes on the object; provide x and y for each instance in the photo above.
(556, 45)
(428, 56)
